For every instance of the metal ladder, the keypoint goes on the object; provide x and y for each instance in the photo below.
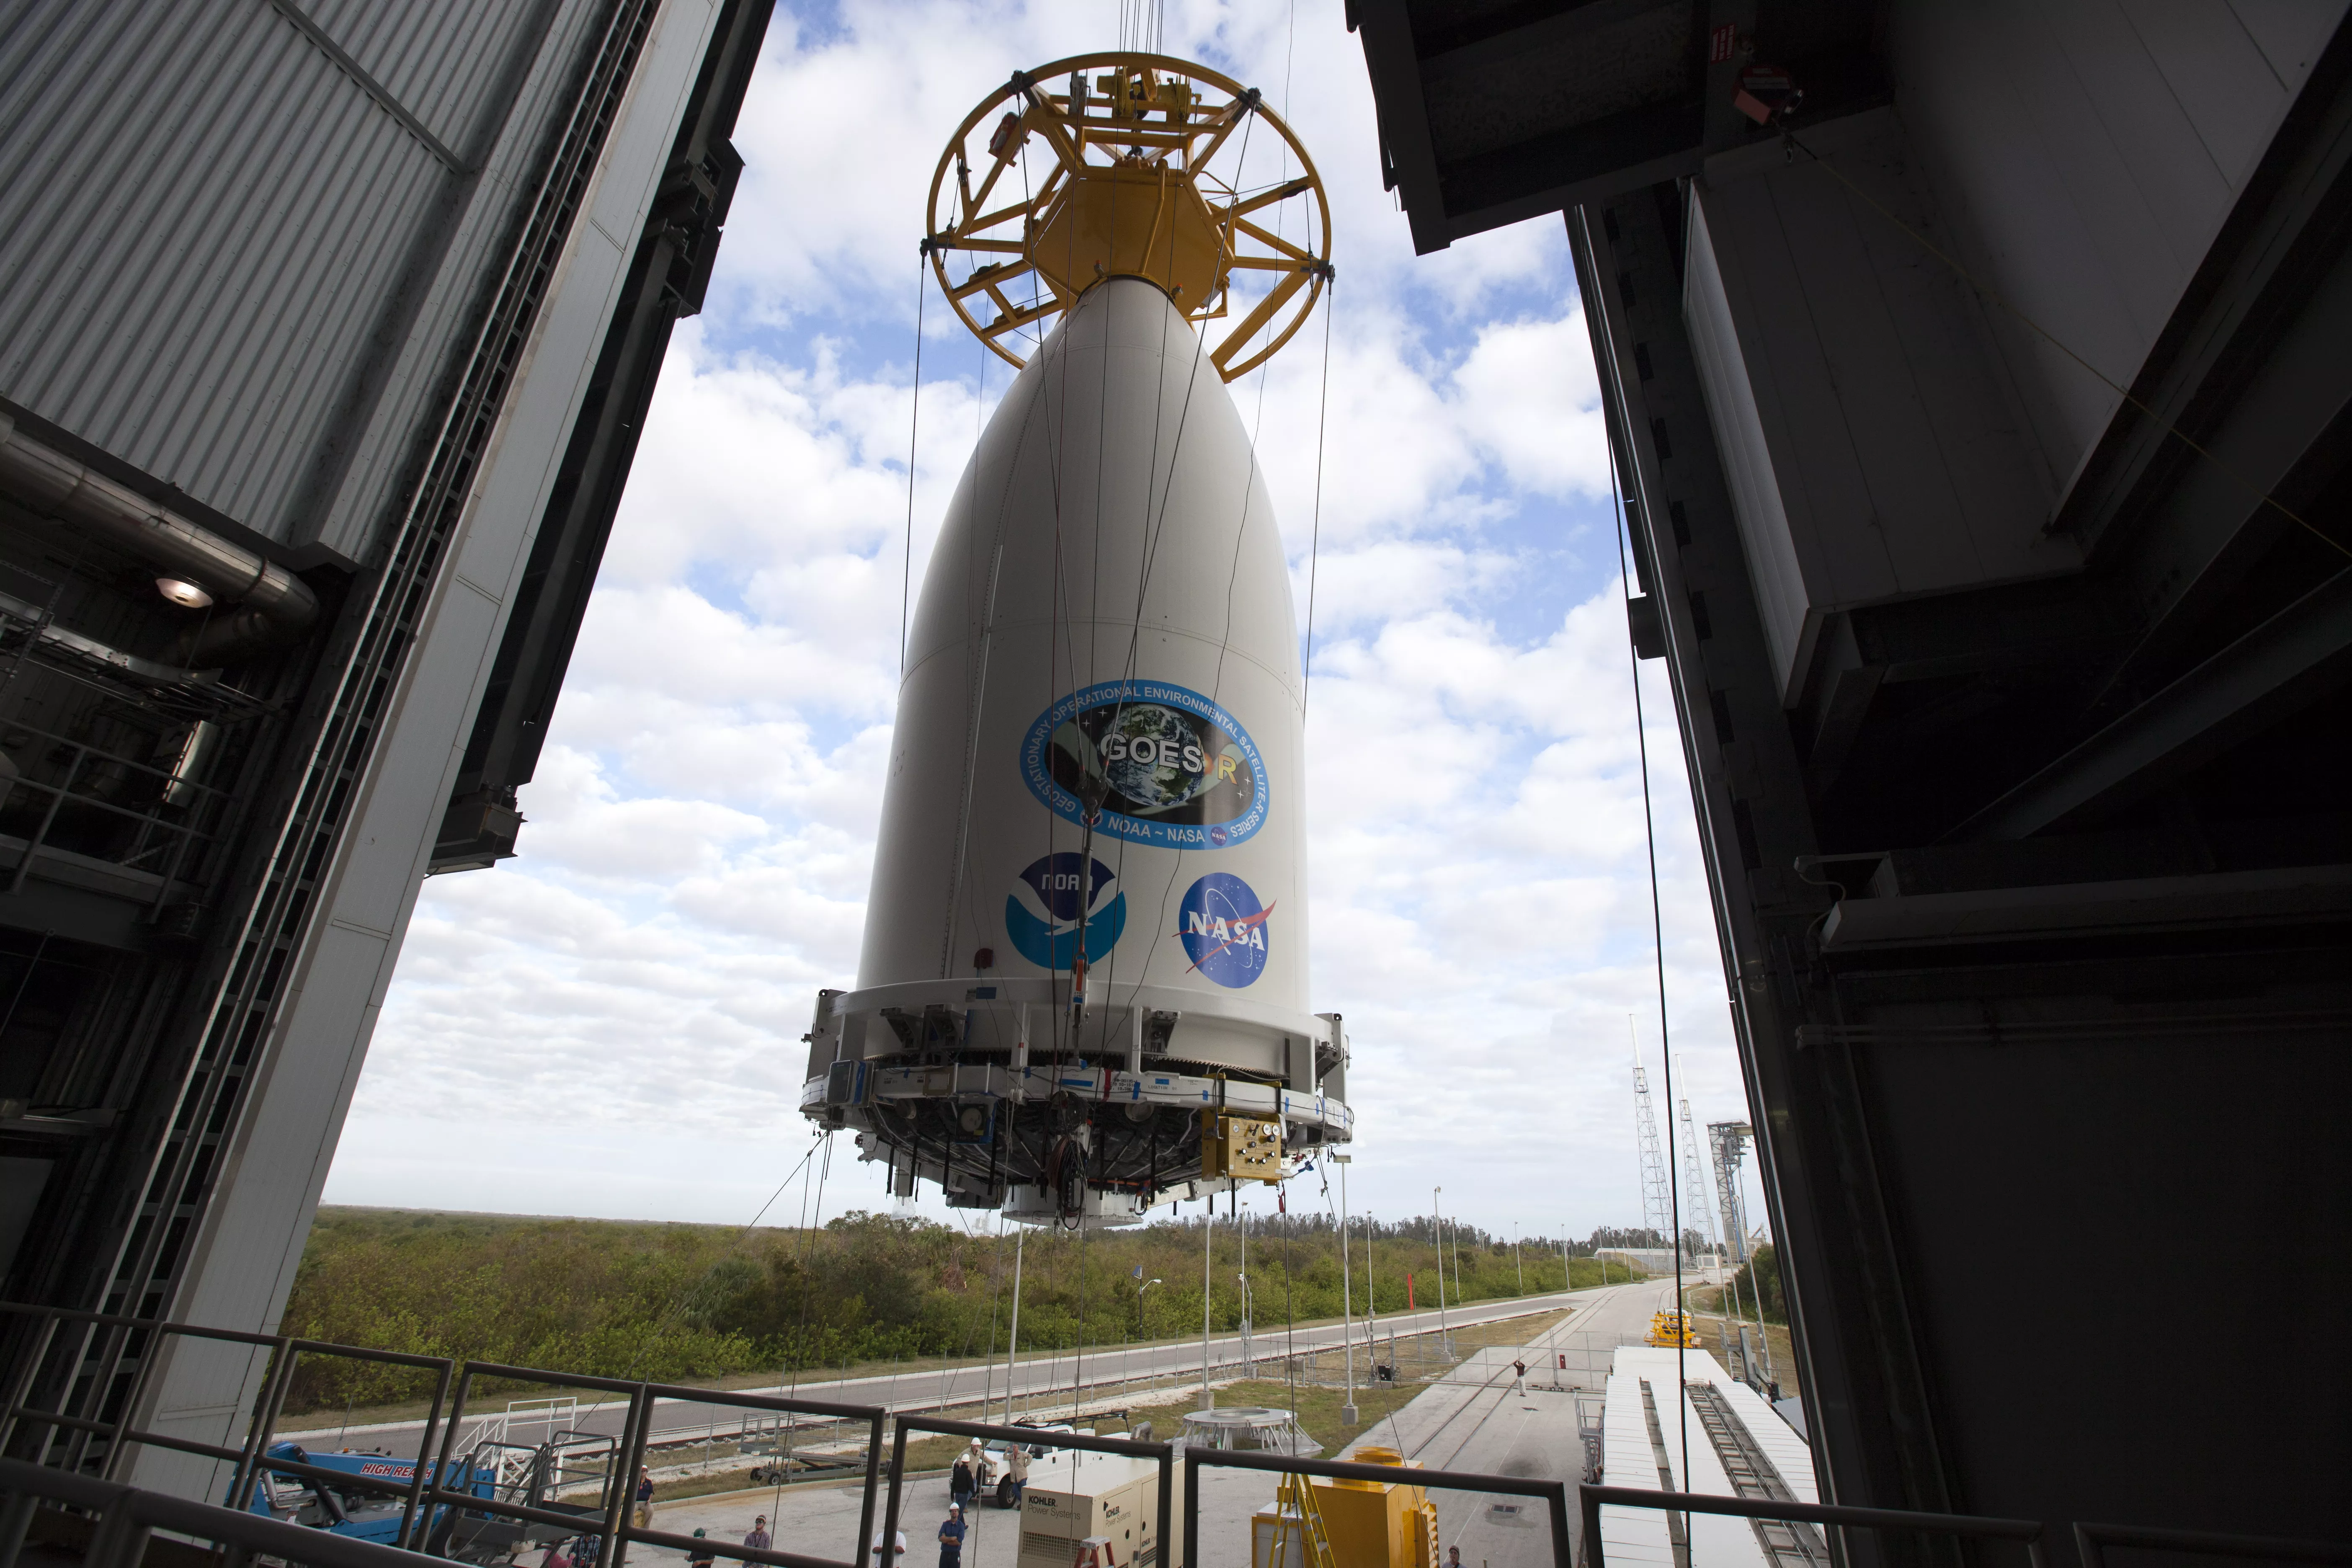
(1786, 1544)
(1297, 1492)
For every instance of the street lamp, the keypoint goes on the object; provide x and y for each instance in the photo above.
(1139, 1289)
(1346, 1293)
(1249, 1358)
(1438, 1229)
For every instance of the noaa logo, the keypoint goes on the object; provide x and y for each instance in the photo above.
(1170, 766)
(1223, 928)
(1046, 914)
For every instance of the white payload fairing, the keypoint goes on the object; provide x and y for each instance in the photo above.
(1083, 985)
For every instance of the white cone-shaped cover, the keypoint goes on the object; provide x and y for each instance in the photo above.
(1107, 600)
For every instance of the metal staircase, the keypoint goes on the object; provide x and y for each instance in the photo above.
(1752, 1475)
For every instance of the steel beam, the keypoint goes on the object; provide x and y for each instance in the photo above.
(2295, 657)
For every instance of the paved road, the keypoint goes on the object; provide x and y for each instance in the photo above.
(1037, 1378)
(1470, 1421)
(1476, 1420)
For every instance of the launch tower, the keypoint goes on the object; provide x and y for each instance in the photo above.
(1083, 985)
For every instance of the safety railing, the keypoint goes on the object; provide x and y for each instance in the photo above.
(171, 826)
(1162, 1454)
(1593, 1499)
(438, 1489)
(127, 1518)
(2093, 1540)
(286, 1352)
(616, 1531)
(1553, 1493)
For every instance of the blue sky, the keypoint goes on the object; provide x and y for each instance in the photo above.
(610, 1024)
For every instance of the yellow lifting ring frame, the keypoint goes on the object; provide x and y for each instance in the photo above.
(1133, 192)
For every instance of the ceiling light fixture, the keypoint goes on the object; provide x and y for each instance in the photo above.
(184, 593)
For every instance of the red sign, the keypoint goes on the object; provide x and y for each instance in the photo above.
(1718, 45)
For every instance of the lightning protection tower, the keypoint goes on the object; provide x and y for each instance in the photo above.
(1657, 1199)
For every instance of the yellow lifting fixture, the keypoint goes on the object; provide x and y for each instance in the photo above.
(1672, 1329)
(1128, 165)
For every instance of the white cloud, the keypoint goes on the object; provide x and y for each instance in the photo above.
(701, 827)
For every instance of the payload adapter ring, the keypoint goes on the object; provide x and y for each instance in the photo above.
(956, 1095)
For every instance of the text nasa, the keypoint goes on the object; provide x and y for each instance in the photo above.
(1227, 934)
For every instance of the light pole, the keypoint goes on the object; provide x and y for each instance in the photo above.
(1346, 1293)
(1208, 1229)
(1139, 1289)
(1515, 1258)
(1249, 1361)
(1013, 1340)
(1437, 1228)
(1371, 1301)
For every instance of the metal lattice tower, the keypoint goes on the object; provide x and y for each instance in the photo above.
(1730, 1141)
(1694, 1175)
(1657, 1198)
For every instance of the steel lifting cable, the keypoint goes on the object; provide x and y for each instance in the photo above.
(2053, 339)
(679, 1300)
(1315, 540)
(914, 423)
(1657, 936)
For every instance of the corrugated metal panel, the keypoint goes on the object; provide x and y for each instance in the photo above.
(199, 215)
(208, 226)
(438, 57)
(349, 516)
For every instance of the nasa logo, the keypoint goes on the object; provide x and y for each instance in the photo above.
(1169, 767)
(1223, 928)
(1043, 915)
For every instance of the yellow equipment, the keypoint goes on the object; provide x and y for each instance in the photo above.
(1297, 1495)
(1672, 1329)
(1127, 166)
(1359, 1524)
(1245, 1147)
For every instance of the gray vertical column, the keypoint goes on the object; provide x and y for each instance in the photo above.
(1866, 1399)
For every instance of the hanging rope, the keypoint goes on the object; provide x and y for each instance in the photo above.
(1657, 935)
(1315, 540)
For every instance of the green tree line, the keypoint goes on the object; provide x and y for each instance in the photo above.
(682, 1303)
(1757, 1286)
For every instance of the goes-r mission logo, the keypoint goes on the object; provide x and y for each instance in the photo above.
(1173, 768)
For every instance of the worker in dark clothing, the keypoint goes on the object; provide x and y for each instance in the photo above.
(951, 1538)
(961, 1482)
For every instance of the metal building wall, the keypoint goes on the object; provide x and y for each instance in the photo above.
(367, 292)
(242, 1259)
(2085, 156)
(2035, 879)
